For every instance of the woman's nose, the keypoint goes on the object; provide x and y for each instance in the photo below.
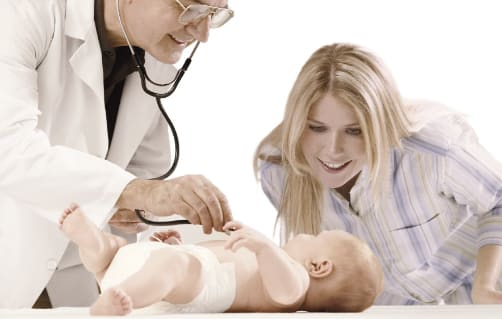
(336, 143)
(199, 30)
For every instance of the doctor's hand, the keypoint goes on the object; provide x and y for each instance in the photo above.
(127, 221)
(191, 196)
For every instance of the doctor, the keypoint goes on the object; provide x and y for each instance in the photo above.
(76, 126)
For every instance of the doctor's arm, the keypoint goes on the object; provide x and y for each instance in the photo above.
(35, 173)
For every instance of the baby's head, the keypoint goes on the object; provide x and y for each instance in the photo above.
(345, 276)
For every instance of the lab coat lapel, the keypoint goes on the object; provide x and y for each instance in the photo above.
(84, 56)
(133, 119)
(87, 55)
(137, 112)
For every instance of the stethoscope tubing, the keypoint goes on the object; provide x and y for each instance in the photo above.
(158, 96)
(147, 221)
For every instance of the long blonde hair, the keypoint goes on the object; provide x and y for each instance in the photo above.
(357, 77)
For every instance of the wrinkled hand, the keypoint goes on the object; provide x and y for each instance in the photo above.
(127, 221)
(193, 197)
(485, 295)
(171, 237)
(243, 236)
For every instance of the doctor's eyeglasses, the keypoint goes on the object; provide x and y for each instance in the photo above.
(195, 12)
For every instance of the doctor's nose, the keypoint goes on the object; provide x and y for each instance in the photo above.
(199, 30)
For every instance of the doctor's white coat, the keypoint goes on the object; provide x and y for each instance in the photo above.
(53, 136)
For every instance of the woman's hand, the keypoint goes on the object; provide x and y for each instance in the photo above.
(485, 295)
(488, 272)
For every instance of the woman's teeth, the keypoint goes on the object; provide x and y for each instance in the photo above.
(335, 165)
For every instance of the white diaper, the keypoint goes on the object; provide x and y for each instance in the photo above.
(218, 292)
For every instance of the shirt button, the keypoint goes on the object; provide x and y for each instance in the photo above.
(52, 264)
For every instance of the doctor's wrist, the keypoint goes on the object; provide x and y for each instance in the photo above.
(136, 194)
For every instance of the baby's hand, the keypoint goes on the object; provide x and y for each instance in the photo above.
(243, 236)
(171, 237)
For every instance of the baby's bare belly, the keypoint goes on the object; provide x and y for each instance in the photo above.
(249, 292)
(242, 256)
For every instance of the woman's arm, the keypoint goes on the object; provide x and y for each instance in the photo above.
(474, 179)
(488, 272)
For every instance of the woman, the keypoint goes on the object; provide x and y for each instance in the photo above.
(410, 179)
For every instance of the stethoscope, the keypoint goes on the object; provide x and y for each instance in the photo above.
(158, 96)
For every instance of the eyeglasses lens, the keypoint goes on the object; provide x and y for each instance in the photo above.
(195, 12)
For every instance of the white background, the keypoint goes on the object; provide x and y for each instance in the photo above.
(236, 88)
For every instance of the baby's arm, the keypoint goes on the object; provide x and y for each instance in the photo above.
(284, 280)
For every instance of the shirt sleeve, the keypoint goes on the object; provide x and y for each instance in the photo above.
(473, 177)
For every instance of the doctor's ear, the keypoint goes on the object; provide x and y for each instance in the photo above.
(320, 268)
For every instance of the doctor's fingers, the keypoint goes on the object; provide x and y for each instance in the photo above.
(208, 202)
(217, 205)
(206, 208)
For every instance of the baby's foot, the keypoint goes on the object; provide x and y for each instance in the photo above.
(67, 212)
(113, 301)
(80, 229)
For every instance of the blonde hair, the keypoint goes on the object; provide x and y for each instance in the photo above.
(358, 78)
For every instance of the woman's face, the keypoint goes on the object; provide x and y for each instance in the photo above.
(153, 26)
(332, 142)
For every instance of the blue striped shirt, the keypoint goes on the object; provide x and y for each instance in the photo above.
(444, 202)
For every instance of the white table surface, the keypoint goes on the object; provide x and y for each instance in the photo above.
(384, 312)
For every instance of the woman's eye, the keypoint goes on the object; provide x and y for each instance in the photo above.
(317, 128)
(353, 131)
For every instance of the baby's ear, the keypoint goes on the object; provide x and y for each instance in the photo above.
(320, 268)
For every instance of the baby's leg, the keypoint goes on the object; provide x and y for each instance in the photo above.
(114, 302)
(169, 275)
(96, 248)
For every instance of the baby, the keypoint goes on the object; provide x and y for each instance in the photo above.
(333, 271)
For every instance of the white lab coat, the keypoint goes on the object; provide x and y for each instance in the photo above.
(53, 136)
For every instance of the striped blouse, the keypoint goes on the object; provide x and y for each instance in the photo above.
(444, 202)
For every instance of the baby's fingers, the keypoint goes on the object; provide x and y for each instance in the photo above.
(232, 226)
(233, 239)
